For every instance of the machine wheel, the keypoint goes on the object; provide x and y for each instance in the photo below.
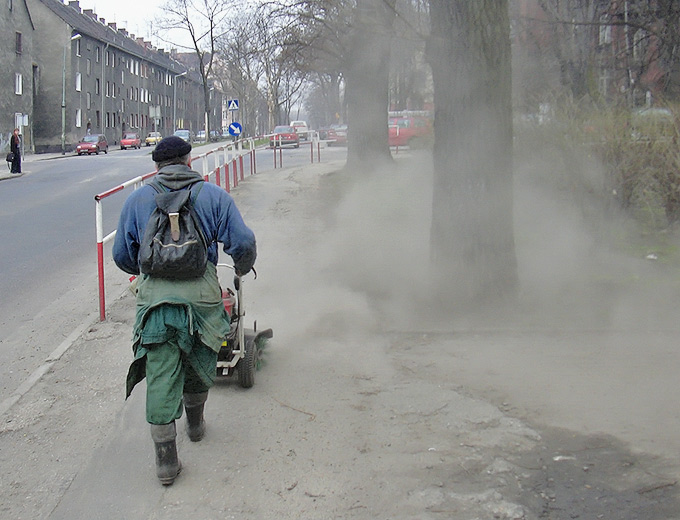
(248, 364)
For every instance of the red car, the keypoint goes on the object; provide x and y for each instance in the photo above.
(94, 143)
(411, 131)
(339, 133)
(130, 140)
(284, 135)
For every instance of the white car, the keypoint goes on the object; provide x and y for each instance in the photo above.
(301, 129)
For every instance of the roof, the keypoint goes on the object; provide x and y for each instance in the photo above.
(30, 18)
(87, 23)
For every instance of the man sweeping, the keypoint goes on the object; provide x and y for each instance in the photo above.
(168, 233)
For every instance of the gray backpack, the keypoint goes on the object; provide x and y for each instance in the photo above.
(174, 245)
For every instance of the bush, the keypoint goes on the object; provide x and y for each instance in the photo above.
(637, 149)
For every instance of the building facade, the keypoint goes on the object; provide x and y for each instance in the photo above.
(607, 48)
(17, 83)
(97, 78)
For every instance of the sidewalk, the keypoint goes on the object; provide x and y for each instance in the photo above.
(361, 411)
(30, 158)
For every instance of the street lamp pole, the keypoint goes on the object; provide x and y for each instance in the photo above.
(63, 94)
(174, 100)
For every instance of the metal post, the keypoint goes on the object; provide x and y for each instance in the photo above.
(63, 94)
(63, 106)
(174, 100)
(103, 86)
(99, 219)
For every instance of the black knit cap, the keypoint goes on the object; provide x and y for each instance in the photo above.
(169, 148)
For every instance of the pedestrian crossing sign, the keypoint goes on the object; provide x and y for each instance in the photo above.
(232, 104)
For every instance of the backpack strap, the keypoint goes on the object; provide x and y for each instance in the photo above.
(164, 189)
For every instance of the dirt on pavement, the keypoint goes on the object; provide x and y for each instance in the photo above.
(367, 407)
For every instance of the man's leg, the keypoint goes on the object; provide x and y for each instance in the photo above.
(164, 385)
(195, 396)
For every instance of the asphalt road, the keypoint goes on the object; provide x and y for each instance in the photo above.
(47, 223)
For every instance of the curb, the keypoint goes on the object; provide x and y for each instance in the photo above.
(5, 176)
(45, 367)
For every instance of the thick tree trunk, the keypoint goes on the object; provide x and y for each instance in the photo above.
(367, 84)
(472, 242)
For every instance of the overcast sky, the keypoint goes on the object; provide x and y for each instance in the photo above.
(133, 15)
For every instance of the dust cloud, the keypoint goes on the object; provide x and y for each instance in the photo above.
(577, 267)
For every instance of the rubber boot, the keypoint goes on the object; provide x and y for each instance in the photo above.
(193, 405)
(168, 465)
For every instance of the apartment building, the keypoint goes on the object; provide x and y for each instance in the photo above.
(17, 81)
(97, 78)
(607, 48)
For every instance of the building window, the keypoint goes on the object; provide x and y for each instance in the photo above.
(88, 98)
(18, 84)
(10, 4)
(640, 44)
(88, 66)
(79, 118)
(603, 82)
(96, 87)
(18, 43)
(79, 82)
(605, 30)
(96, 54)
(78, 47)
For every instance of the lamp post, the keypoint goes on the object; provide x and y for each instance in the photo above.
(63, 94)
(174, 100)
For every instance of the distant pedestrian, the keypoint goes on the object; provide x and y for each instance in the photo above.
(181, 323)
(15, 148)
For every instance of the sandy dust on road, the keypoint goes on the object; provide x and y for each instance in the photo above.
(368, 407)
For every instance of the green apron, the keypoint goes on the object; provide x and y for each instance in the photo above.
(183, 321)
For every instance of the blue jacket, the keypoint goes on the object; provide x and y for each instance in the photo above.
(220, 220)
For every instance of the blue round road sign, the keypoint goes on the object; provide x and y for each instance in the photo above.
(235, 129)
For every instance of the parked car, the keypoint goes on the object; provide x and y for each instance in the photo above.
(130, 140)
(93, 143)
(200, 136)
(327, 133)
(411, 131)
(153, 138)
(184, 134)
(654, 125)
(340, 132)
(301, 129)
(284, 135)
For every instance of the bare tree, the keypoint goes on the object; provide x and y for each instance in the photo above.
(472, 240)
(367, 82)
(410, 80)
(239, 71)
(350, 39)
(202, 20)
